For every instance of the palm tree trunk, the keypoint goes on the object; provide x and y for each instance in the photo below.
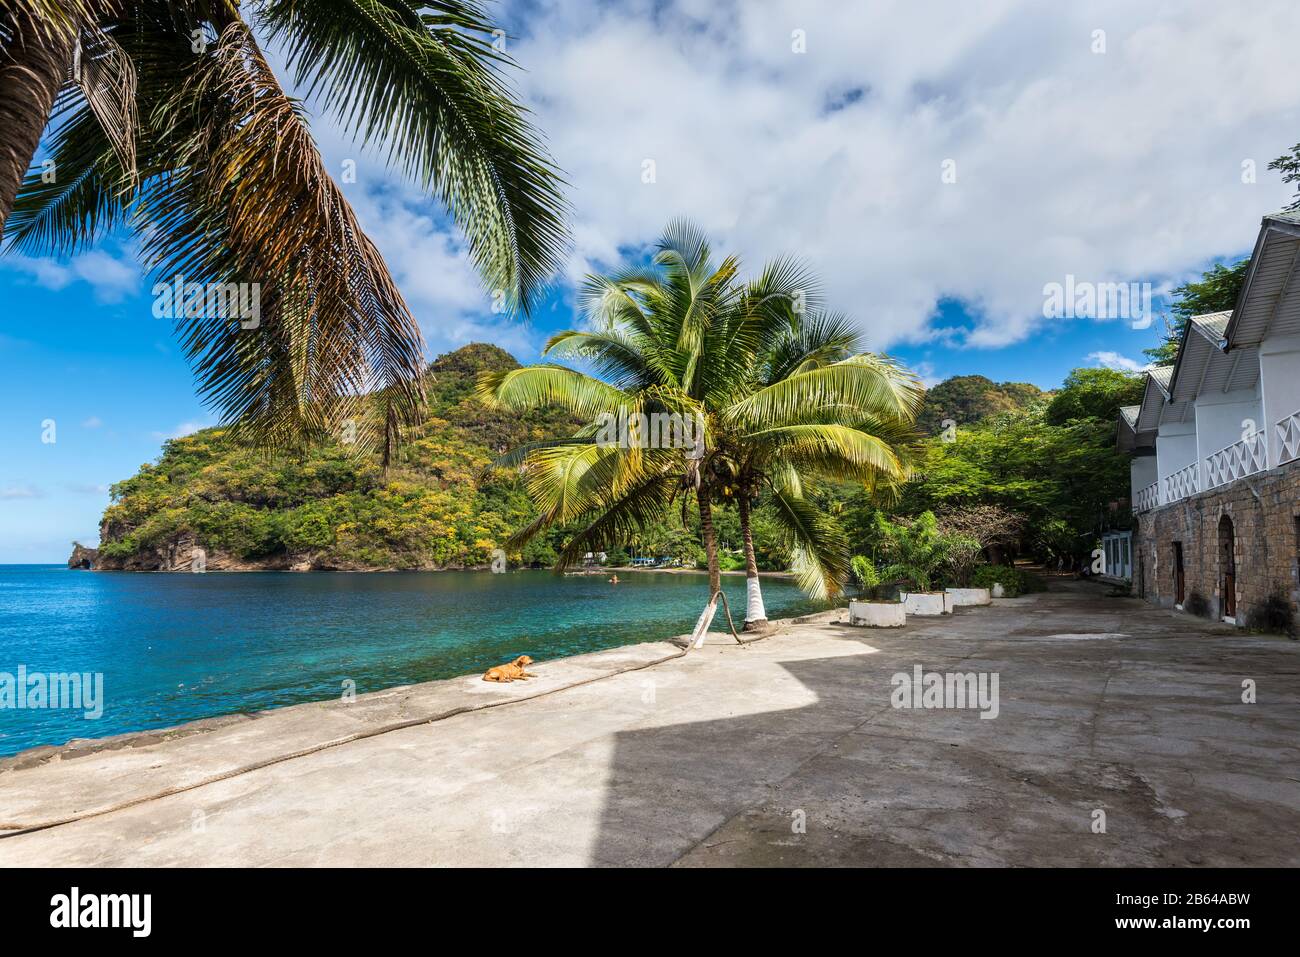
(755, 613)
(715, 573)
(33, 66)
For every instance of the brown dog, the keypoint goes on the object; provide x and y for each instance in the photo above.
(511, 672)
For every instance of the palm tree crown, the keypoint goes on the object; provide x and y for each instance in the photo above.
(780, 396)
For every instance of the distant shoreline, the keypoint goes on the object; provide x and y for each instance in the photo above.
(578, 571)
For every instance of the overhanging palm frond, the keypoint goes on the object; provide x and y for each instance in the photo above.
(425, 82)
(821, 553)
(541, 385)
(613, 355)
(250, 202)
(640, 507)
(867, 382)
(838, 451)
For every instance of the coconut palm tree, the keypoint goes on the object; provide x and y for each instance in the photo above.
(167, 119)
(685, 337)
(784, 460)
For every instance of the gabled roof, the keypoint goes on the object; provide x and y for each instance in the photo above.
(1219, 350)
(1269, 302)
(1155, 399)
(1203, 365)
(1128, 436)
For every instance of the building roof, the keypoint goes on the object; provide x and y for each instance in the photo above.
(1129, 438)
(1204, 366)
(1218, 351)
(1269, 303)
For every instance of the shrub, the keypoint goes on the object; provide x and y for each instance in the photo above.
(1014, 581)
(1197, 605)
(864, 572)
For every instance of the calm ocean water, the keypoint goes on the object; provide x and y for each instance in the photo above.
(177, 647)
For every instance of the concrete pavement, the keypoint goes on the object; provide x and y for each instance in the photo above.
(787, 751)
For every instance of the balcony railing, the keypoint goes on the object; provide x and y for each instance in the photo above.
(1148, 498)
(1288, 438)
(1243, 457)
(1180, 485)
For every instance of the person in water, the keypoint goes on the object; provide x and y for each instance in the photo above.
(614, 580)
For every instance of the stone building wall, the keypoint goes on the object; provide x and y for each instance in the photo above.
(1265, 513)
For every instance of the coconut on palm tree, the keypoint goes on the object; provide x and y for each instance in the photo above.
(165, 118)
(774, 400)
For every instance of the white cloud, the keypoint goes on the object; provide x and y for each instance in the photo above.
(93, 422)
(1121, 363)
(19, 491)
(110, 278)
(89, 489)
(1122, 166)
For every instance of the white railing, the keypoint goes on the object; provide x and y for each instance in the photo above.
(1148, 498)
(1180, 485)
(1243, 457)
(1288, 438)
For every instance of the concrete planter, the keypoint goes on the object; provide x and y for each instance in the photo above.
(877, 614)
(998, 590)
(969, 596)
(927, 603)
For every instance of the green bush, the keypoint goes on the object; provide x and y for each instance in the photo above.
(1014, 581)
(864, 572)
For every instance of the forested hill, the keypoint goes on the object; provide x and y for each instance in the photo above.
(330, 508)
(968, 399)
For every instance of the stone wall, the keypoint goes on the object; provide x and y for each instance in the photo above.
(1264, 510)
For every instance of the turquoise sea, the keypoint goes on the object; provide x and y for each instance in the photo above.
(177, 647)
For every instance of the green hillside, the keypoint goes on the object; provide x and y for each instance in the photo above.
(330, 508)
(969, 399)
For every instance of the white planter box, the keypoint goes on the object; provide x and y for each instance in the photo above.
(969, 596)
(877, 614)
(998, 590)
(927, 603)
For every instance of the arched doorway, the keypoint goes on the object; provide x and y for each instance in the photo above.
(1227, 570)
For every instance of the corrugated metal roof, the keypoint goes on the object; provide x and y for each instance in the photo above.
(1212, 325)
(1269, 303)
(1162, 376)
(1130, 414)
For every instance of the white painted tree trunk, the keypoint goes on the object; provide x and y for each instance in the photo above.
(754, 610)
(702, 626)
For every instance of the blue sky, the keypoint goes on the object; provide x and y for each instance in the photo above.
(781, 128)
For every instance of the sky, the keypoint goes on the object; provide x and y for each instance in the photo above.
(939, 165)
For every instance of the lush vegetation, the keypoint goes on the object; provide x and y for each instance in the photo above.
(334, 505)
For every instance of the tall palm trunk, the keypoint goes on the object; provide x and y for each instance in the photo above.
(715, 573)
(755, 613)
(33, 65)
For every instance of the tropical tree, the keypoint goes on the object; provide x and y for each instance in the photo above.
(165, 118)
(683, 337)
(821, 444)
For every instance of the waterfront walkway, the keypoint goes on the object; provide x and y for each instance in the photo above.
(787, 751)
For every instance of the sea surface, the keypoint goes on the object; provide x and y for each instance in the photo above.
(177, 647)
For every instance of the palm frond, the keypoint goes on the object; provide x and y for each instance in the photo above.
(249, 201)
(536, 386)
(426, 84)
(821, 563)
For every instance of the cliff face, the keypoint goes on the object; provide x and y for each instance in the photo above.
(83, 557)
(210, 503)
